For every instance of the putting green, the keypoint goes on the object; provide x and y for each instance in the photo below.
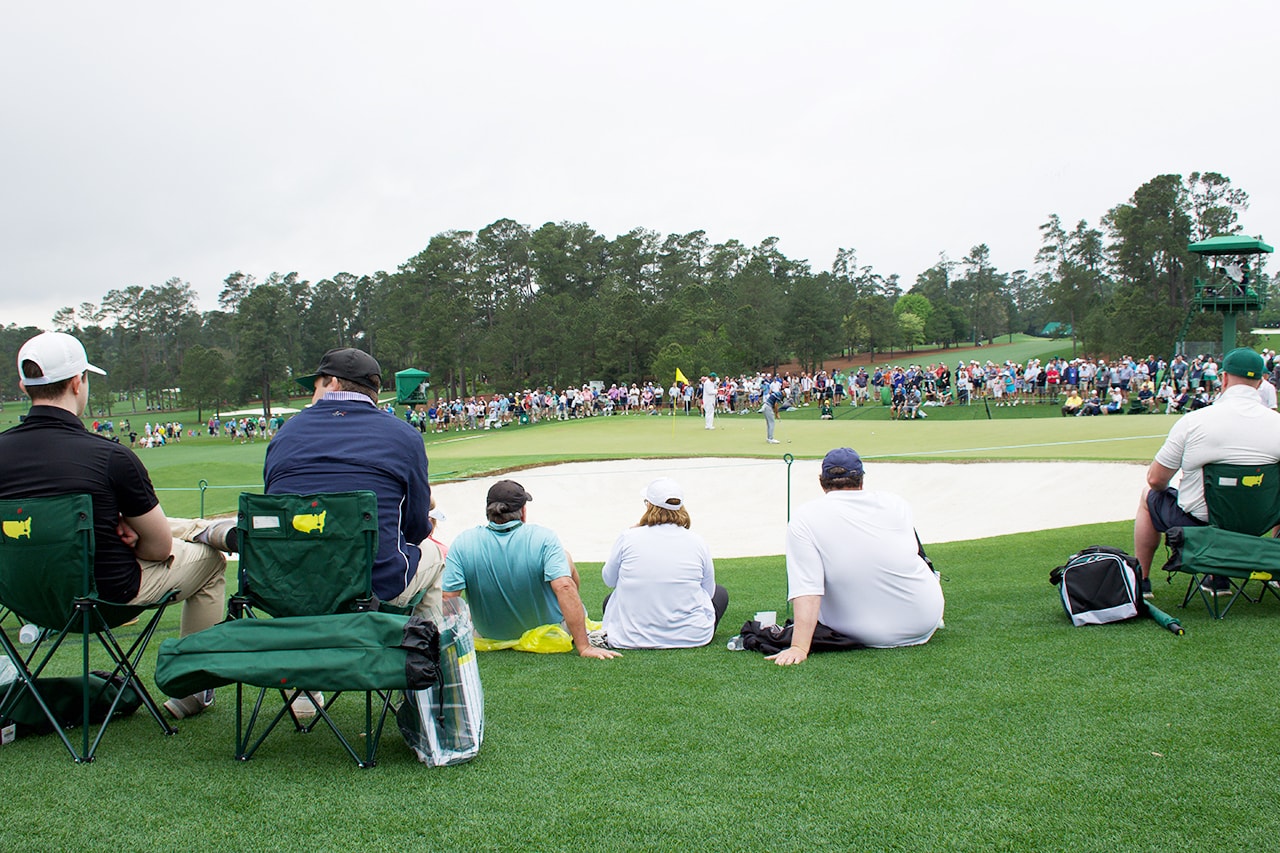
(229, 468)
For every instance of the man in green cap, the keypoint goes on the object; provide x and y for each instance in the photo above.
(1236, 429)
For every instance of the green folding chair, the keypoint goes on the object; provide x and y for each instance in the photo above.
(1244, 500)
(46, 579)
(306, 556)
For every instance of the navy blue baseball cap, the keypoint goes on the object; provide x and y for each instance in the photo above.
(841, 462)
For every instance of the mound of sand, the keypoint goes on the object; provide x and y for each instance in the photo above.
(740, 505)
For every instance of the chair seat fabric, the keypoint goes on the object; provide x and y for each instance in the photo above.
(350, 651)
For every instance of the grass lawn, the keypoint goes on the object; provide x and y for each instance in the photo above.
(1011, 730)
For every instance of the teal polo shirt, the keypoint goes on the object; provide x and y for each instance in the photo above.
(506, 571)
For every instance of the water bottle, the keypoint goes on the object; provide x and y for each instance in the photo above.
(735, 643)
(8, 672)
(28, 634)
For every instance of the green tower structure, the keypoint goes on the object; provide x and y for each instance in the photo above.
(1228, 290)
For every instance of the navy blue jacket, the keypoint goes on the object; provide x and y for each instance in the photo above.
(348, 445)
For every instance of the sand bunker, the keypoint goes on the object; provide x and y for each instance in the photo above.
(740, 505)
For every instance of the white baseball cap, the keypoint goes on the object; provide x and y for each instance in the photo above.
(664, 492)
(58, 355)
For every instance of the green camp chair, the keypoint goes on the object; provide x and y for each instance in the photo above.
(1244, 500)
(306, 556)
(46, 579)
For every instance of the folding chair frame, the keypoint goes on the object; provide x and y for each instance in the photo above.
(1234, 506)
(87, 616)
(244, 730)
(1237, 580)
(244, 604)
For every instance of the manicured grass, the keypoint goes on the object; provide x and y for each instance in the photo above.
(1010, 730)
(229, 468)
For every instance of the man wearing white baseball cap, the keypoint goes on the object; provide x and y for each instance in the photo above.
(138, 555)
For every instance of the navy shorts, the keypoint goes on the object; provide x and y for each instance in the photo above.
(1165, 512)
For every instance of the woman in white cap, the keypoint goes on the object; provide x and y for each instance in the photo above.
(665, 592)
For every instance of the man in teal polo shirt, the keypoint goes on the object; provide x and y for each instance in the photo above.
(516, 575)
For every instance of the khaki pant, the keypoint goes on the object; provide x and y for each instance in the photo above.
(427, 580)
(196, 570)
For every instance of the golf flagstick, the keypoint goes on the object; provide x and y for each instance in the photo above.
(680, 382)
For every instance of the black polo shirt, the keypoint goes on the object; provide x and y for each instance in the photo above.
(51, 453)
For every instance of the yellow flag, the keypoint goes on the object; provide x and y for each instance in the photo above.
(680, 377)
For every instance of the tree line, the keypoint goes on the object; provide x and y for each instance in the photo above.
(510, 307)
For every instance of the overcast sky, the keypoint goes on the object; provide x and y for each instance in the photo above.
(149, 140)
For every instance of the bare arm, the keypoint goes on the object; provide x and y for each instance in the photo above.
(1159, 477)
(806, 609)
(575, 618)
(148, 535)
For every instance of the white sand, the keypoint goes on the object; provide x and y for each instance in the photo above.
(740, 505)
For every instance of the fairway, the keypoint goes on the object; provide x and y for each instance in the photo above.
(229, 467)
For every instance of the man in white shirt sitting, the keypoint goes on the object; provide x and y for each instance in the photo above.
(855, 565)
(1236, 429)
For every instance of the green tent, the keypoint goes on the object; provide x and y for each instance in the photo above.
(411, 386)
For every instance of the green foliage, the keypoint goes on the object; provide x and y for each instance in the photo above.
(913, 303)
(911, 329)
(203, 378)
(508, 307)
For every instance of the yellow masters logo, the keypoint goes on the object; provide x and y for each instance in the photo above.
(18, 529)
(312, 523)
(1255, 480)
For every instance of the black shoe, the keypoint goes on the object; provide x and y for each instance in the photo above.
(1145, 588)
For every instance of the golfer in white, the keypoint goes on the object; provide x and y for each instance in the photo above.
(709, 384)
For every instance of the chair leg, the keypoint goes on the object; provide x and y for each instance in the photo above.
(27, 676)
(245, 750)
(1268, 588)
(126, 666)
(372, 736)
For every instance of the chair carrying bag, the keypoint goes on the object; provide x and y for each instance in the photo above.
(348, 651)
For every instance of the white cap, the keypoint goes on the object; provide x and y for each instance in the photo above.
(664, 492)
(59, 356)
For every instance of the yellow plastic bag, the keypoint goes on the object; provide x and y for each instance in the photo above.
(543, 640)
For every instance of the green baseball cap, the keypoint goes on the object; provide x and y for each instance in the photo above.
(1245, 363)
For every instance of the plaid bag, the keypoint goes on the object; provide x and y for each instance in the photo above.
(444, 724)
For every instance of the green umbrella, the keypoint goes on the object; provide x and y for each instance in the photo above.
(1164, 620)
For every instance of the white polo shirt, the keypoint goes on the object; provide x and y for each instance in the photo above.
(663, 579)
(1267, 394)
(858, 550)
(1236, 429)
